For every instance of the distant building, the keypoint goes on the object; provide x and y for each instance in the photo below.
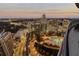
(40, 24)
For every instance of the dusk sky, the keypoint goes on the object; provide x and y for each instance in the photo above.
(36, 10)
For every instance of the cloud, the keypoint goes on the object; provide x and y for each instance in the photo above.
(37, 9)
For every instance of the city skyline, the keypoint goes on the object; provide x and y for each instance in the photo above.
(35, 10)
